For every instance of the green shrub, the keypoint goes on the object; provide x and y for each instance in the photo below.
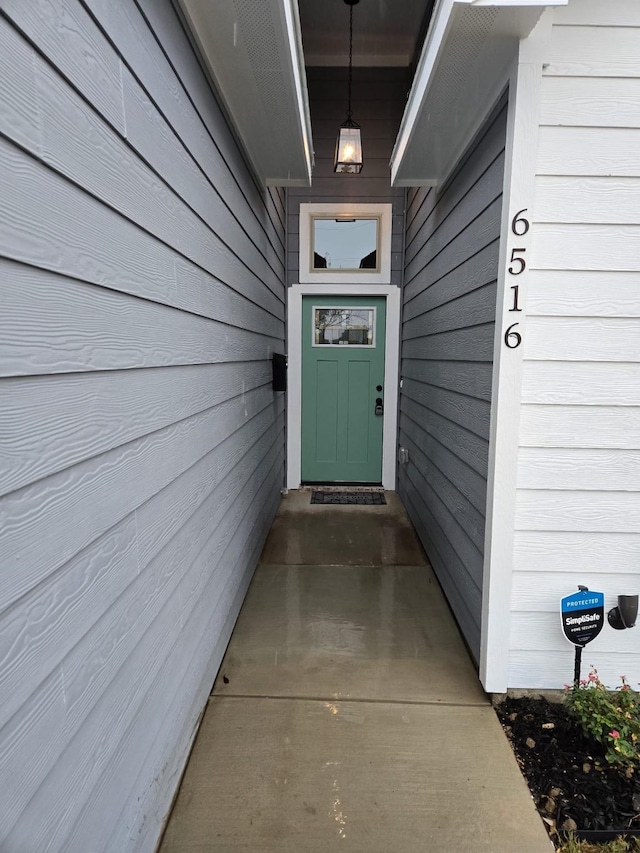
(611, 717)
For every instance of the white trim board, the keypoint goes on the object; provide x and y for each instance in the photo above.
(391, 373)
(518, 189)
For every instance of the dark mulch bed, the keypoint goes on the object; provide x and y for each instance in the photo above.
(572, 783)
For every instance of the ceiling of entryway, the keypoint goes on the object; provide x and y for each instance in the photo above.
(253, 50)
(256, 51)
(385, 32)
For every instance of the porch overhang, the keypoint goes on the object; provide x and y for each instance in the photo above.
(462, 71)
(254, 53)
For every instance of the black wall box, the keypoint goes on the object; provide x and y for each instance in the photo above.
(279, 364)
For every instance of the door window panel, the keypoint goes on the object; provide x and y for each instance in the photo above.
(344, 327)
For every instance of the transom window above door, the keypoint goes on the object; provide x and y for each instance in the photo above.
(345, 243)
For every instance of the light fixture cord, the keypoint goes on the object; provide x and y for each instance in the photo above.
(350, 57)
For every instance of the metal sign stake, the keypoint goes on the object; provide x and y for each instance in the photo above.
(576, 667)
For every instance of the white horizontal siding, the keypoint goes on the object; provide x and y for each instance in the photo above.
(585, 246)
(584, 293)
(598, 14)
(606, 511)
(602, 200)
(526, 602)
(583, 339)
(576, 551)
(582, 425)
(594, 151)
(573, 49)
(571, 382)
(578, 500)
(528, 667)
(578, 469)
(591, 101)
(538, 644)
(142, 445)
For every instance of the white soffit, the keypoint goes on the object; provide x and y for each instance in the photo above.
(462, 71)
(253, 49)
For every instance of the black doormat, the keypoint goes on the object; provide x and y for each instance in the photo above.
(360, 498)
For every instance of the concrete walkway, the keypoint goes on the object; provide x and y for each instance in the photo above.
(347, 714)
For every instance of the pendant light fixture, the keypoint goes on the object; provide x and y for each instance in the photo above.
(348, 157)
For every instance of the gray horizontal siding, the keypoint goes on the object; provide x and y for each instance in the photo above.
(449, 305)
(142, 447)
(379, 96)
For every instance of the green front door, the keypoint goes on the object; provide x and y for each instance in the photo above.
(343, 340)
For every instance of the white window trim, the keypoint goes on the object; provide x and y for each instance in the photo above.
(310, 276)
(391, 374)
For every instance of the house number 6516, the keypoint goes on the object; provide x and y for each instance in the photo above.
(517, 265)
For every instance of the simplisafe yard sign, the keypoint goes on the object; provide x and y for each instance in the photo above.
(582, 616)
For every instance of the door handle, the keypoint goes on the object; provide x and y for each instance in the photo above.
(379, 408)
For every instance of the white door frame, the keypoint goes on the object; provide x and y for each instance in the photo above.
(294, 373)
